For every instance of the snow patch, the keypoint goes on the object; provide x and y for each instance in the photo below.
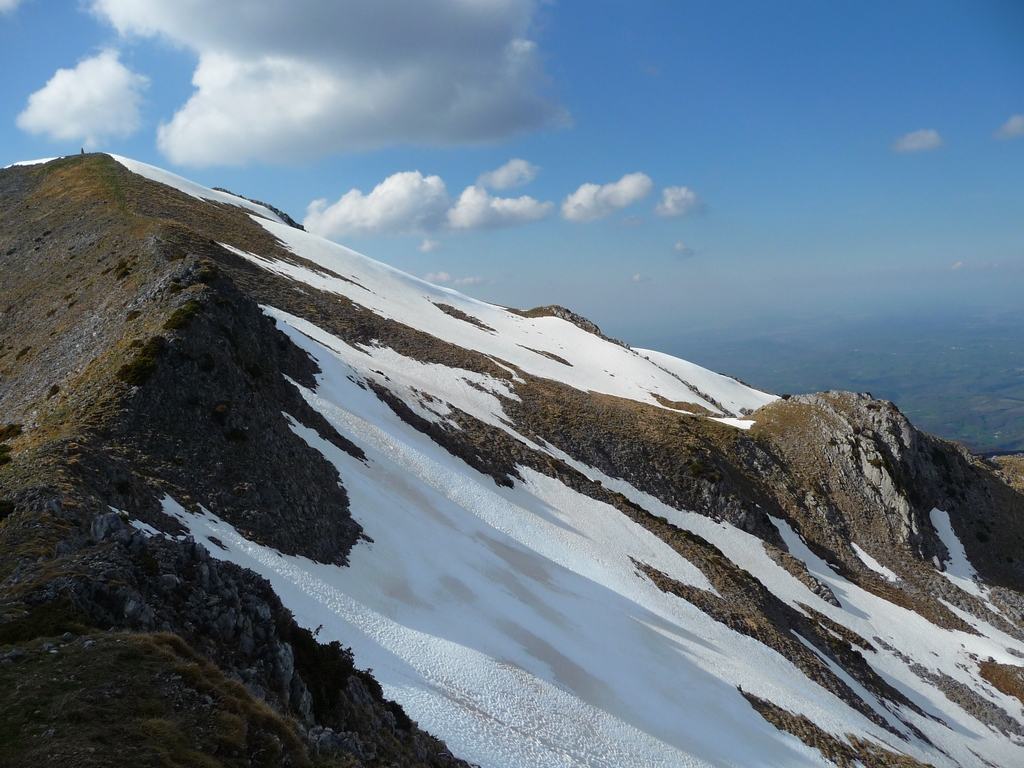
(738, 423)
(41, 161)
(958, 568)
(873, 564)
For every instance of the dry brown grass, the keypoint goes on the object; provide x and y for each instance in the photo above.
(1005, 677)
(857, 752)
(132, 700)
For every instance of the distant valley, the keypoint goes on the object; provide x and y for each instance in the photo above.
(959, 375)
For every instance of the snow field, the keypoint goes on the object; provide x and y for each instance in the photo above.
(594, 364)
(510, 621)
(950, 652)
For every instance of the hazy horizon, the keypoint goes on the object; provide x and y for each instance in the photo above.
(957, 375)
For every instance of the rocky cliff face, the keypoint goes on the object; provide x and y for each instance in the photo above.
(189, 393)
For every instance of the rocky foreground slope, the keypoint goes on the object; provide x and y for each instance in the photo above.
(239, 463)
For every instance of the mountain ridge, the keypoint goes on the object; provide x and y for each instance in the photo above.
(270, 382)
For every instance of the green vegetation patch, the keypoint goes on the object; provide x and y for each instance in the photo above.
(183, 315)
(143, 365)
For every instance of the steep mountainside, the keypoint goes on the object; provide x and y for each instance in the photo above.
(231, 451)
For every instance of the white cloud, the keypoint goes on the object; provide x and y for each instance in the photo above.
(469, 281)
(410, 202)
(98, 98)
(1012, 128)
(683, 249)
(477, 209)
(957, 266)
(404, 202)
(918, 141)
(8, 5)
(514, 173)
(287, 80)
(637, 278)
(676, 202)
(591, 202)
(437, 277)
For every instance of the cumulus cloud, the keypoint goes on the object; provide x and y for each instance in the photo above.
(1012, 128)
(591, 201)
(8, 5)
(514, 173)
(288, 80)
(437, 277)
(98, 98)
(410, 202)
(918, 141)
(404, 202)
(476, 208)
(676, 202)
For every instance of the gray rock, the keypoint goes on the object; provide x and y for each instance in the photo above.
(105, 526)
(65, 548)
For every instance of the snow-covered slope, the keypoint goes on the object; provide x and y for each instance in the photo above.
(514, 623)
(538, 622)
(543, 346)
(161, 176)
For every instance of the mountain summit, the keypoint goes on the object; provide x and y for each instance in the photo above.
(241, 464)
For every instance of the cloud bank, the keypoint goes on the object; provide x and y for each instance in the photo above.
(411, 203)
(918, 141)
(98, 98)
(288, 80)
(591, 201)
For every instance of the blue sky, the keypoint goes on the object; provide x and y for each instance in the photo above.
(774, 126)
